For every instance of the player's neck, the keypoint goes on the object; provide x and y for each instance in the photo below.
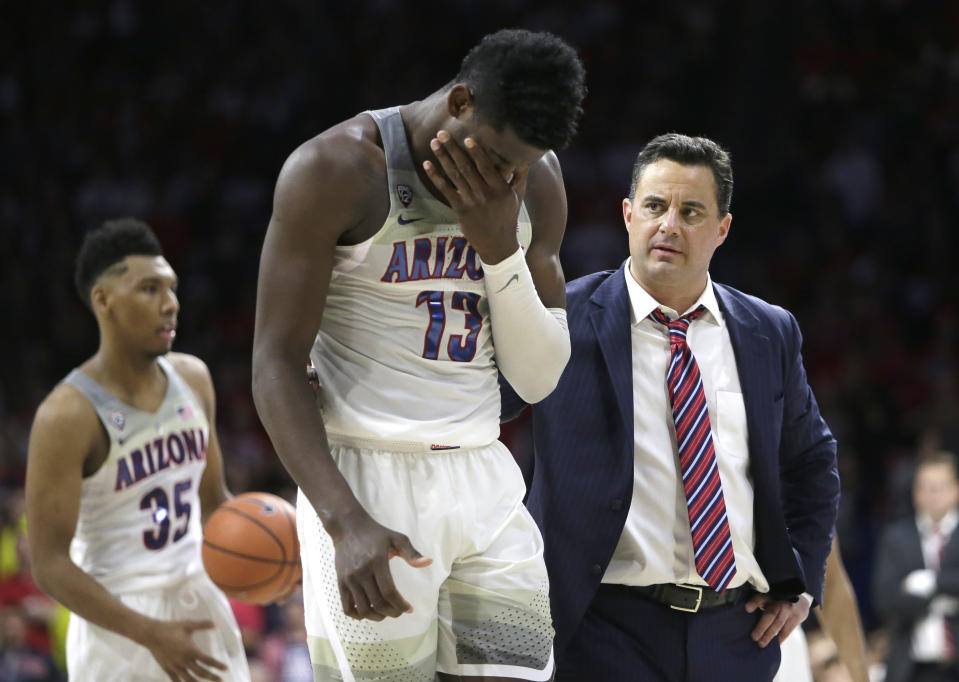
(131, 376)
(422, 120)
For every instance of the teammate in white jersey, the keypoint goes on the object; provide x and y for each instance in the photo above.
(414, 253)
(123, 465)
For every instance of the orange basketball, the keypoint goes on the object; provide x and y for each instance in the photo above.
(250, 548)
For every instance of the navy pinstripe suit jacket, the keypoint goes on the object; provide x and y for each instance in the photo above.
(583, 442)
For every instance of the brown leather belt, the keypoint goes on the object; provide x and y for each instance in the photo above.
(691, 598)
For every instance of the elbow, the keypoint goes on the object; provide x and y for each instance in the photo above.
(534, 394)
(43, 570)
(535, 386)
(263, 377)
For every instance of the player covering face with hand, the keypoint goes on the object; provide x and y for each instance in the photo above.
(413, 254)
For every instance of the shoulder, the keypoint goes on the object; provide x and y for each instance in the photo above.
(545, 176)
(545, 193)
(582, 288)
(65, 416)
(769, 315)
(898, 531)
(194, 372)
(545, 200)
(190, 367)
(342, 160)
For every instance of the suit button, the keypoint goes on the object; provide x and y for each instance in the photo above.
(616, 504)
(595, 569)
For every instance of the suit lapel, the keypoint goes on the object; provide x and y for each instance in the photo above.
(754, 362)
(610, 317)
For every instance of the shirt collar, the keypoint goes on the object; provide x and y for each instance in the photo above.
(642, 303)
(946, 525)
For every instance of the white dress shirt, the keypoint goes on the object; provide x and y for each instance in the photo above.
(929, 635)
(656, 545)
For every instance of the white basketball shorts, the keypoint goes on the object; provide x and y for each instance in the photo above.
(95, 654)
(481, 607)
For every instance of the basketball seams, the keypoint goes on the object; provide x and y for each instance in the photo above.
(250, 557)
(262, 525)
(238, 542)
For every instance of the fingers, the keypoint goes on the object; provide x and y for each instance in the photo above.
(757, 601)
(347, 601)
(192, 625)
(447, 190)
(372, 593)
(403, 548)
(389, 601)
(369, 603)
(459, 167)
(770, 624)
(487, 169)
(359, 598)
(209, 661)
(199, 672)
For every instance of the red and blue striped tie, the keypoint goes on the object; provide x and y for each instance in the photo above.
(712, 544)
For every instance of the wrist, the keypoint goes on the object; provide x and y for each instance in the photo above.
(141, 629)
(339, 522)
(512, 262)
(493, 256)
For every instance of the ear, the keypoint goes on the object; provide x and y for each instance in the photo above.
(627, 211)
(459, 101)
(724, 228)
(99, 298)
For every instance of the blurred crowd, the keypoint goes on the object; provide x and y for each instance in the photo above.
(842, 117)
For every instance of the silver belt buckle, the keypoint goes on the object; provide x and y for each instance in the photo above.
(699, 598)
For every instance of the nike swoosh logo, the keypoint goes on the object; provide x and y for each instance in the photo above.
(406, 221)
(514, 278)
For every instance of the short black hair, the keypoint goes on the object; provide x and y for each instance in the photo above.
(939, 458)
(109, 244)
(532, 83)
(689, 151)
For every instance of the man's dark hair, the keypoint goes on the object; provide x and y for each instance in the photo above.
(533, 83)
(689, 151)
(108, 245)
(939, 458)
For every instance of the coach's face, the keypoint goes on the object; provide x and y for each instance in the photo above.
(674, 227)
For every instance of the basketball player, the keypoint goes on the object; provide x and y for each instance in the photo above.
(404, 245)
(123, 464)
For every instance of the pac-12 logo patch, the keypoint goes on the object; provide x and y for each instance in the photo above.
(118, 420)
(405, 195)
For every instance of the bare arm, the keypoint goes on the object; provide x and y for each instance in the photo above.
(319, 196)
(839, 616)
(65, 432)
(546, 203)
(213, 488)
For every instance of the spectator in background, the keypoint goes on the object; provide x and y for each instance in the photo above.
(917, 578)
(21, 661)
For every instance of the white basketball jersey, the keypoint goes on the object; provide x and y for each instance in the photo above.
(139, 524)
(405, 351)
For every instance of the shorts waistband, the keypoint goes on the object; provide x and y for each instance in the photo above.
(397, 445)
